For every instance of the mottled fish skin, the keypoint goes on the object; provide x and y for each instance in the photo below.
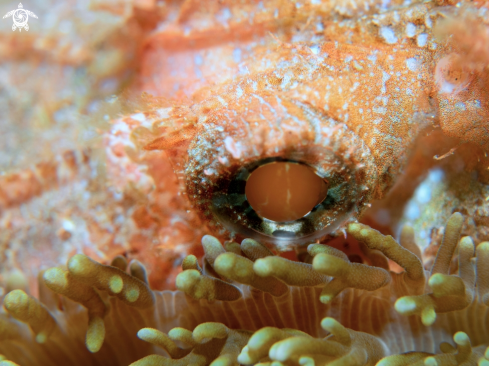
(360, 90)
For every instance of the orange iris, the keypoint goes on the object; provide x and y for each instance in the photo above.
(284, 191)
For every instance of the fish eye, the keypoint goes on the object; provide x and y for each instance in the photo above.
(282, 201)
(284, 183)
(284, 191)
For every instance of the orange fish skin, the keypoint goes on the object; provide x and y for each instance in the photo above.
(231, 91)
(379, 91)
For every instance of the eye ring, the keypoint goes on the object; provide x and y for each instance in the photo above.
(232, 207)
(233, 142)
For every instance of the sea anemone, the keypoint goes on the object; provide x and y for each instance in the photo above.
(248, 306)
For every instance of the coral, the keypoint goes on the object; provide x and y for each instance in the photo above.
(248, 306)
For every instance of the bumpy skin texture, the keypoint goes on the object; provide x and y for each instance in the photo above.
(349, 96)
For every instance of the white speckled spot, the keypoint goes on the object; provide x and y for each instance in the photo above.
(357, 66)
(232, 147)
(412, 63)
(388, 34)
(164, 112)
(422, 39)
(397, 18)
(224, 16)
(410, 30)
(68, 225)
(315, 49)
(138, 117)
(385, 77)
(460, 106)
(198, 60)
(372, 58)
(237, 55)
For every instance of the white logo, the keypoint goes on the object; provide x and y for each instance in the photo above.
(20, 17)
